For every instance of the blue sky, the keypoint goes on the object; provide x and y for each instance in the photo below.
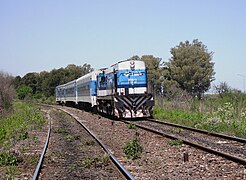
(43, 35)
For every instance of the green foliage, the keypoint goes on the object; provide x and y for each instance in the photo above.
(96, 161)
(154, 71)
(7, 159)
(176, 130)
(89, 142)
(44, 83)
(175, 142)
(11, 171)
(177, 116)
(131, 126)
(104, 159)
(133, 148)
(31, 80)
(225, 120)
(88, 162)
(191, 66)
(71, 138)
(45, 100)
(23, 135)
(61, 130)
(14, 127)
(213, 113)
(24, 91)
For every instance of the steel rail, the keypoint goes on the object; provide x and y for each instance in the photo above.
(37, 171)
(234, 138)
(222, 154)
(121, 168)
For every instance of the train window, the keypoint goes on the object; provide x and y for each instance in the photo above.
(102, 79)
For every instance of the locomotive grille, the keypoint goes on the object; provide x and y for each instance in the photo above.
(134, 102)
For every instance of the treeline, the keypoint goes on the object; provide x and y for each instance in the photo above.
(188, 73)
(38, 85)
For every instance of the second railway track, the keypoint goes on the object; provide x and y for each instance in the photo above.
(232, 148)
(159, 159)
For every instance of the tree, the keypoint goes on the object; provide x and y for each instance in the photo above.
(154, 71)
(7, 91)
(24, 91)
(222, 89)
(191, 66)
(31, 80)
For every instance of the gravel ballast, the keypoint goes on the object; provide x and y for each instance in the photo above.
(159, 159)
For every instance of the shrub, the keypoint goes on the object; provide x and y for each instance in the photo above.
(24, 92)
(131, 126)
(133, 148)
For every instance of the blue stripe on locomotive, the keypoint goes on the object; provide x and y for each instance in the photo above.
(132, 78)
(125, 79)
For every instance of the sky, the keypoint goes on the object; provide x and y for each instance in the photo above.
(43, 35)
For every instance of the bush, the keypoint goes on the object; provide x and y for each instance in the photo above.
(131, 126)
(133, 148)
(24, 92)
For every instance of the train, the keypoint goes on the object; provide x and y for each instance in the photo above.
(120, 91)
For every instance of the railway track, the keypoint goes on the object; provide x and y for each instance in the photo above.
(39, 169)
(159, 159)
(232, 148)
(120, 167)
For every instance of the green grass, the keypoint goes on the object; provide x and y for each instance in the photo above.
(71, 138)
(11, 171)
(61, 131)
(178, 116)
(7, 159)
(88, 162)
(89, 142)
(175, 142)
(223, 115)
(15, 126)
